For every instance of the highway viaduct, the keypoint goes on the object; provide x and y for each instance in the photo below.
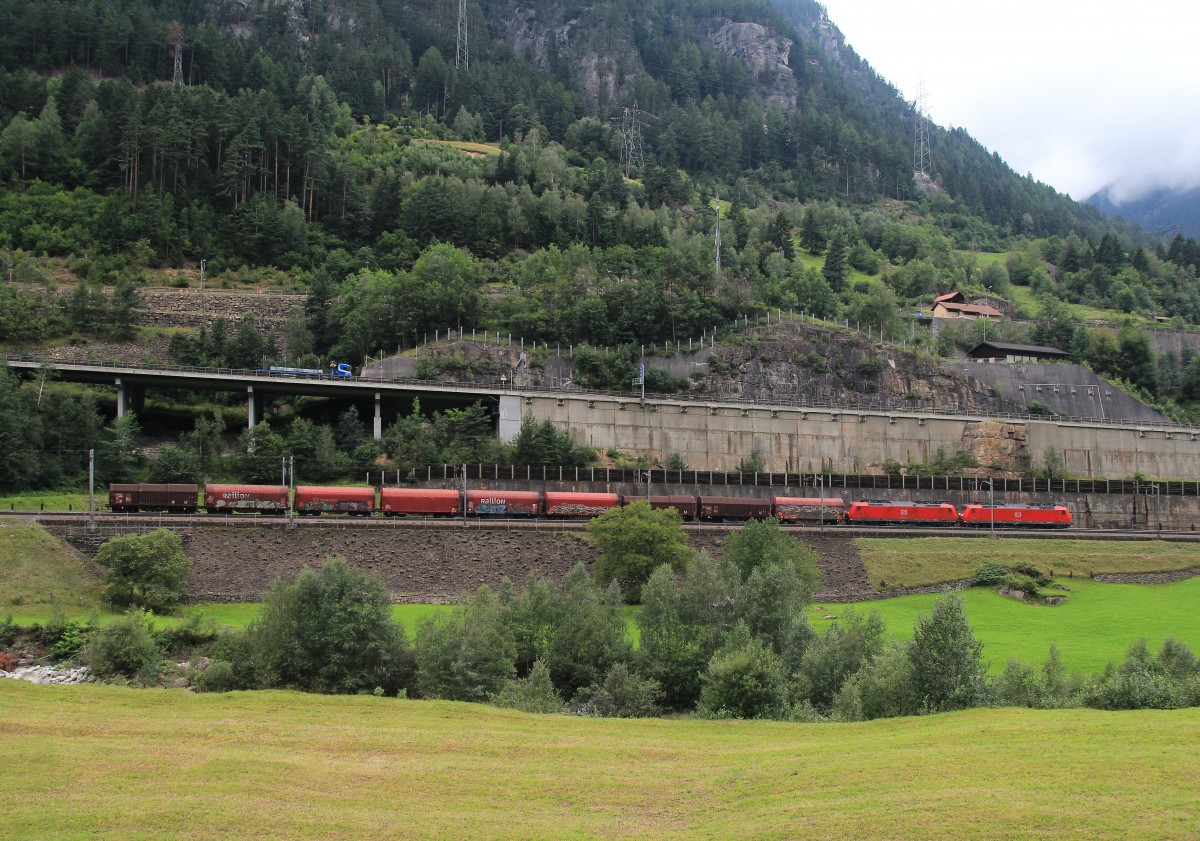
(711, 433)
(132, 382)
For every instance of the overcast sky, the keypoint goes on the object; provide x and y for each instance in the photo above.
(1080, 94)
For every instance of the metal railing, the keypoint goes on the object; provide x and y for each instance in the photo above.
(501, 386)
(713, 478)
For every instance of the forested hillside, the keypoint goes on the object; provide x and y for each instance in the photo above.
(558, 174)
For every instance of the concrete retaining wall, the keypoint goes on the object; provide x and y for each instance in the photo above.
(717, 436)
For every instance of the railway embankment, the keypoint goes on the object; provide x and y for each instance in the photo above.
(426, 565)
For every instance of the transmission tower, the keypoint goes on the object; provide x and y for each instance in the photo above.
(921, 162)
(176, 39)
(718, 237)
(631, 135)
(462, 59)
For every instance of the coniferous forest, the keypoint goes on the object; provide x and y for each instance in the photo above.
(557, 174)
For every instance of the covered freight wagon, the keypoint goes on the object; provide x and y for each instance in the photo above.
(504, 503)
(314, 501)
(172, 497)
(734, 508)
(570, 504)
(260, 499)
(420, 502)
(805, 509)
(687, 506)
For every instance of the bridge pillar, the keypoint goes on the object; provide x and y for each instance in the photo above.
(122, 398)
(510, 417)
(378, 418)
(253, 406)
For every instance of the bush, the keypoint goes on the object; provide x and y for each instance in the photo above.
(683, 624)
(147, 571)
(65, 637)
(764, 543)
(189, 634)
(8, 631)
(1039, 578)
(621, 695)
(220, 676)
(884, 686)
(744, 680)
(466, 655)
(770, 600)
(946, 658)
(831, 659)
(591, 637)
(1169, 681)
(330, 632)
(124, 648)
(533, 694)
(992, 574)
(634, 540)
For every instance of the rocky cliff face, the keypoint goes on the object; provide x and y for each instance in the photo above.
(764, 54)
(803, 363)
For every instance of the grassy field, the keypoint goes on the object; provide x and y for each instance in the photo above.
(52, 502)
(110, 762)
(916, 562)
(1095, 626)
(465, 145)
(37, 573)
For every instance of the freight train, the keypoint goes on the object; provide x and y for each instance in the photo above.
(309, 500)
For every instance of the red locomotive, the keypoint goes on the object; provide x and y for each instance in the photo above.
(902, 513)
(1017, 516)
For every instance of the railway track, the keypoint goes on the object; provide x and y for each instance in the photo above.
(109, 521)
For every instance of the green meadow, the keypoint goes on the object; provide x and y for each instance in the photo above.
(1096, 625)
(916, 562)
(53, 502)
(111, 762)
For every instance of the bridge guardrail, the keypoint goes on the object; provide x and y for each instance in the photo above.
(870, 406)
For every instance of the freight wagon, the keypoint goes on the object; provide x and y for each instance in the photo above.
(132, 498)
(261, 499)
(314, 501)
(802, 509)
(687, 506)
(734, 508)
(566, 504)
(420, 502)
(504, 503)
